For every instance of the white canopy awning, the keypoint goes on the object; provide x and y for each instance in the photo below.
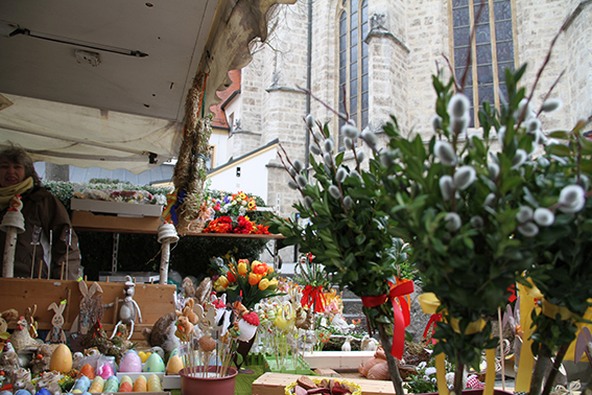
(105, 83)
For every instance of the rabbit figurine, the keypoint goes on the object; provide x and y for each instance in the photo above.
(57, 334)
(91, 308)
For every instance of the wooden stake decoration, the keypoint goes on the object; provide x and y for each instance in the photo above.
(36, 236)
(13, 223)
(167, 234)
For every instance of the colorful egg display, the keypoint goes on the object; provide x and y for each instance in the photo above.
(61, 359)
(130, 362)
(174, 365)
(154, 364)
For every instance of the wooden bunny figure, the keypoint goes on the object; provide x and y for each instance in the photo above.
(57, 334)
(91, 308)
(129, 309)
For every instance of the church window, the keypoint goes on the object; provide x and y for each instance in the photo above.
(353, 62)
(491, 50)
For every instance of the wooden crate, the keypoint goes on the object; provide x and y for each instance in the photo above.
(155, 300)
(274, 383)
(88, 221)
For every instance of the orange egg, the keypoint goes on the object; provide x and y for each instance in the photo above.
(88, 371)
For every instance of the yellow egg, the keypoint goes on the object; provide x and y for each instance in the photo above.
(61, 359)
(174, 365)
(144, 355)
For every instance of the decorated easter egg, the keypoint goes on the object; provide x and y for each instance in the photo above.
(105, 371)
(61, 359)
(154, 364)
(140, 385)
(43, 391)
(22, 392)
(5, 392)
(144, 355)
(130, 362)
(88, 371)
(81, 385)
(174, 365)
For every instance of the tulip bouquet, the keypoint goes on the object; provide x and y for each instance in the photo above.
(244, 281)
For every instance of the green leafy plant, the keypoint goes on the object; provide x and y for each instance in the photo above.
(345, 228)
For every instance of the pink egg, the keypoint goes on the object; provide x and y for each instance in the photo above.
(130, 362)
(105, 371)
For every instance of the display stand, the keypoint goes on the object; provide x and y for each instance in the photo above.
(22, 293)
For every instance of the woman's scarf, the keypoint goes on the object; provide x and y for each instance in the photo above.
(6, 193)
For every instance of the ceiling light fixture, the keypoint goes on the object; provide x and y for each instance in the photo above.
(70, 41)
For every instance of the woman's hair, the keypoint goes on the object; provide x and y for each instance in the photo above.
(18, 155)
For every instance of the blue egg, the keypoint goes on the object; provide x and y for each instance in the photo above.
(5, 392)
(43, 391)
(22, 392)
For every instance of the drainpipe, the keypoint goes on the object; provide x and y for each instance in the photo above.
(308, 83)
(308, 106)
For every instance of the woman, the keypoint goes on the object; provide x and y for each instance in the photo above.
(46, 221)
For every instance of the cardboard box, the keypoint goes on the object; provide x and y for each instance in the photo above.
(88, 221)
(169, 382)
(274, 383)
(119, 208)
(337, 360)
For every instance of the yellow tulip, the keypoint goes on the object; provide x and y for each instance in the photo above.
(221, 284)
(273, 283)
(242, 268)
(263, 284)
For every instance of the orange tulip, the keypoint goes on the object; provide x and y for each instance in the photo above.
(259, 268)
(254, 278)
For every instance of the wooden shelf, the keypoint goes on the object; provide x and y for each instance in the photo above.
(89, 221)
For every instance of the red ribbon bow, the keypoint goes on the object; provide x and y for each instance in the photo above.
(434, 318)
(313, 296)
(401, 311)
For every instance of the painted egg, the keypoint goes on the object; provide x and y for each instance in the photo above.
(144, 355)
(61, 359)
(5, 392)
(43, 391)
(88, 371)
(105, 371)
(154, 364)
(22, 392)
(130, 362)
(174, 365)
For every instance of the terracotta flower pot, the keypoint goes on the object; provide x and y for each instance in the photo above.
(195, 382)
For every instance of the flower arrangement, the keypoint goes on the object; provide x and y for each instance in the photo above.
(244, 281)
(234, 213)
(242, 225)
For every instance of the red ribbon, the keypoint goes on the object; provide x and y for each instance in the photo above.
(313, 296)
(434, 318)
(401, 311)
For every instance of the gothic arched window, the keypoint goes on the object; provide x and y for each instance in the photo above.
(353, 62)
(491, 50)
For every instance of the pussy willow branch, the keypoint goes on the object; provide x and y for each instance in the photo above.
(538, 76)
(548, 94)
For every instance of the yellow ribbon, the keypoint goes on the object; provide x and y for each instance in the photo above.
(552, 310)
(430, 303)
(526, 363)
